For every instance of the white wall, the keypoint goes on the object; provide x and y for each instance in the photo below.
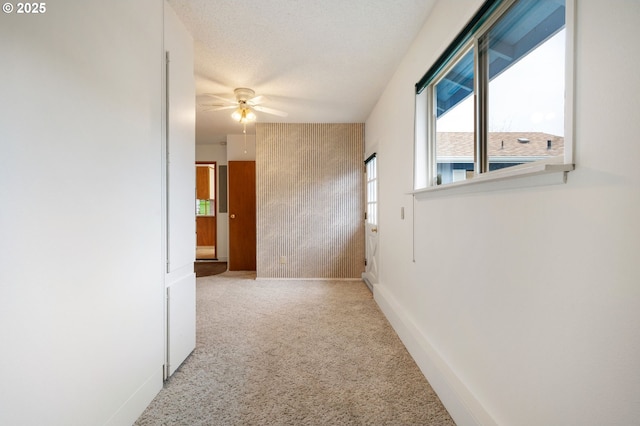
(241, 148)
(523, 306)
(212, 152)
(81, 281)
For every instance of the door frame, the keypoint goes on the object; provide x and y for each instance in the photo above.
(215, 205)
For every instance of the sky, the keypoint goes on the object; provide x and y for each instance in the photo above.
(537, 106)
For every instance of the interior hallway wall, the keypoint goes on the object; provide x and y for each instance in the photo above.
(310, 206)
(522, 306)
(81, 281)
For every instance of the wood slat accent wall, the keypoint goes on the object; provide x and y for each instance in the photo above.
(310, 200)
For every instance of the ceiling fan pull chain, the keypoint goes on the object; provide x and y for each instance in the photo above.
(244, 130)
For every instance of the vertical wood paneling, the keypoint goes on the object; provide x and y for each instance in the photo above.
(310, 200)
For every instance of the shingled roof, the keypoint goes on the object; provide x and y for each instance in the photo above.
(532, 145)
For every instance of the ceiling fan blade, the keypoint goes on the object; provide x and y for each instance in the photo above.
(257, 100)
(217, 104)
(271, 111)
(229, 101)
(218, 107)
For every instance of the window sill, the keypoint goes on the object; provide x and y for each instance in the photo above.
(536, 174)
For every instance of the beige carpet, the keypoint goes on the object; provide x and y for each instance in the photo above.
(293, 353)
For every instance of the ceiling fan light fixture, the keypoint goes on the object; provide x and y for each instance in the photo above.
(243, 115)
(237, 114)
(244, 106)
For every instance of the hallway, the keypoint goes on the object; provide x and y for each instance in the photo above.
(293, 352)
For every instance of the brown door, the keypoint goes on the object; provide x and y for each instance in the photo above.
(206, 211)
(206, 238)
(242, 215)
(203, 192)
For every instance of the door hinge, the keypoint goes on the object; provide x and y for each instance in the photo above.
(365, 262)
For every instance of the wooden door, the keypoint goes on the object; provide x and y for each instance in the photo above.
(242, 215)
(206, 231)
(206, 221)
(202, 183)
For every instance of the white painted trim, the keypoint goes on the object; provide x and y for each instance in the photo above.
(570, 82)
(367, 281)
(521, 176)
(458, 399)
(164, 219)
(306, 279)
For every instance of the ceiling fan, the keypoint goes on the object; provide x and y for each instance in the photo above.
(245, 103)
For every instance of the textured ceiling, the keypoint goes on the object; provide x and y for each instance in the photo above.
(321, 61)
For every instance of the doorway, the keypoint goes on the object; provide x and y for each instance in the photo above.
(370, 274)
(242, 215)
(206, 211)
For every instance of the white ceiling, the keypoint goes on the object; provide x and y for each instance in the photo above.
(324, 61)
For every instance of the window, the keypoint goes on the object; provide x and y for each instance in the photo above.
(496, 98)
(372, 190)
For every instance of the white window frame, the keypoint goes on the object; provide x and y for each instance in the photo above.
(553, 170)
(371, 164)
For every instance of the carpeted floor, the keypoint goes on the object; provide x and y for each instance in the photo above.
(293, 353)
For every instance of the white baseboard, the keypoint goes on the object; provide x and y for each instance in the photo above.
(459, 401)
(306, 279)
(129, 412)
(367, 281)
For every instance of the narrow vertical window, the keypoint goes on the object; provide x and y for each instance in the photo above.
(372, 190)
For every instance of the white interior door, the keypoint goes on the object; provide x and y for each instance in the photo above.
(370, 274)
(179, 200)
(181, 320)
